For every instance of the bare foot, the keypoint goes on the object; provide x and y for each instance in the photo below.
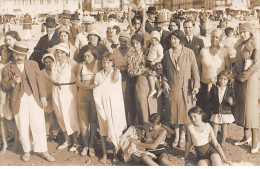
(3, 149)
(103, 160)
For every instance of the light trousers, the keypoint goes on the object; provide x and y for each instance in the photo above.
(31, 116)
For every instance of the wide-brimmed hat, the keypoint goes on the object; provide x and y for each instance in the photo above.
(155, 34)
(65, 14)
(47, 55)
(50, 22)
(63, 29)
(159, 19)
(74, 17)
(94, 32)
(88, 19)
(20, 47)
(62, 46)
(247, 26)
(152, 10)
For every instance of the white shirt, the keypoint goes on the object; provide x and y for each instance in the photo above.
(221, 94)
(189, 38)
(20, 66)
(155, 53)
(81, 40)
(50, 36)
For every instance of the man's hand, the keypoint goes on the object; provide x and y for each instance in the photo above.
(166, 87)
(43, 102)
(17, 79)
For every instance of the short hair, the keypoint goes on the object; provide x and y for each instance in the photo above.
(196, 110)
(108, 56)
(226, 73)
(217, 30)
(138, 38)
(92, 50)
(136, 18)
(14, 35)
(189, 20)
(155, 118)
(177, 22)
(228, 30)
(118, 30)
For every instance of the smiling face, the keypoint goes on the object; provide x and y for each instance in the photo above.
(245, 35)
(60, 55)
(64, 37)
(173, 26)
(195, 118)
(175, 42)
(136, 45)
(223, 81)
(93, 39)
(215, 38)
(88, 57)
(188, 28)
(107, 64)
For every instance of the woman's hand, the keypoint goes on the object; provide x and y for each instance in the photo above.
(209, 86)
(133, 141)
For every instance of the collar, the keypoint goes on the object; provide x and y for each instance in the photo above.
(51, 35)
(188, 37)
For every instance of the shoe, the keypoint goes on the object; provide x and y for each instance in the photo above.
(240, 143)
(26, 156)
(84, 151)
(255, 150)
(91, 152)
(151, 93)
(175, 143)
(48, 157)
(62, 146)
(73, 148)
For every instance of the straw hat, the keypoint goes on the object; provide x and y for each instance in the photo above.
(20, 47)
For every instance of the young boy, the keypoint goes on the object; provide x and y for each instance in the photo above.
(154, 65)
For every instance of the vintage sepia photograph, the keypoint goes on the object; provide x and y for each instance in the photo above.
(129, 83)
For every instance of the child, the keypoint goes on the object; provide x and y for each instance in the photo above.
(221, 97)
(229, 44)
(50, 117)
(110, 107)
(155, 136)
(87, 110)
(201, 135)
(154, 58)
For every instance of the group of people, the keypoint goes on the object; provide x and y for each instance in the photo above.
(148, 78)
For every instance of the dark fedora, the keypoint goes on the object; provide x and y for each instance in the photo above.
(50, 22)
(74, 17)
(152, 10)
(65, 14)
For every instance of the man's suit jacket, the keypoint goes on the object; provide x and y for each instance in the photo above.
(34, 76)
(148, 27)
(42, 46)
(165, 40)
(196, 45)
(73, 34)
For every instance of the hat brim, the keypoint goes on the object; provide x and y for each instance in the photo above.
(25, 53)
(45, 24)
(152, 12)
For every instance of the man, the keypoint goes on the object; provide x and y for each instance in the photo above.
(159, 24)
(191, 41)
(65, 21)
(74, 29)
(149, 24)
(27, 26)
(47, 41)
(82, 38)
(23, 80)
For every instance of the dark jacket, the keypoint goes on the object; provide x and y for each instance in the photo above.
(42, 46)
(224, 107)
(148, 27)
(196, 45)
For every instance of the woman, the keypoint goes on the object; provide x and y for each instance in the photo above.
(136, 68)
(64, 94)
(94, 41)
(212, 61)
(6, 54)
(181, 82)
(63, 33)
(246, 111)
(112, 41)
(174, 25)
(138, 8)
(128, 83)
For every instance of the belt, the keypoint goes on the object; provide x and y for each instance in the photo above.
(62, 84)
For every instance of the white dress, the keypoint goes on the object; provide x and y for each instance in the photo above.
(64, 97)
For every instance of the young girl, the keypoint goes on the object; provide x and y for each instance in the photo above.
(110, 107)
(201, 135)
(221, 97)
(155, 136)
(154, 58)
(50, 117)
(87, 110)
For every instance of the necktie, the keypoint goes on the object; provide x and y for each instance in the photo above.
(190, 41)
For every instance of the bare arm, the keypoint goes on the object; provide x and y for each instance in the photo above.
(188, 144)
(78, 79)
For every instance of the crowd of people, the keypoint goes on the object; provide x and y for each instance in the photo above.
(132, 88)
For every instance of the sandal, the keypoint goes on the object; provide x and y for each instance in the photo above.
(84, 151)
(91, 152)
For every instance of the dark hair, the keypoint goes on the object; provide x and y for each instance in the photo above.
(92, 50)
(226, 73)
(118, 30)
(179, 34)
(189, 20)
(13, 34)
(138, 38)
(155, 118)
(108, 56)
(49, 58)
(136, 18)
(177, 22)
(99, 39)
(196, 110)
(228, 30)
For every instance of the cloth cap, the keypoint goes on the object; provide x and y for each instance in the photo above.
(155, 34)
(62, 46)
(47, 55)
(63, 29)
(88, 19)
(247, 26)
(20, 47)
(124, 35)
